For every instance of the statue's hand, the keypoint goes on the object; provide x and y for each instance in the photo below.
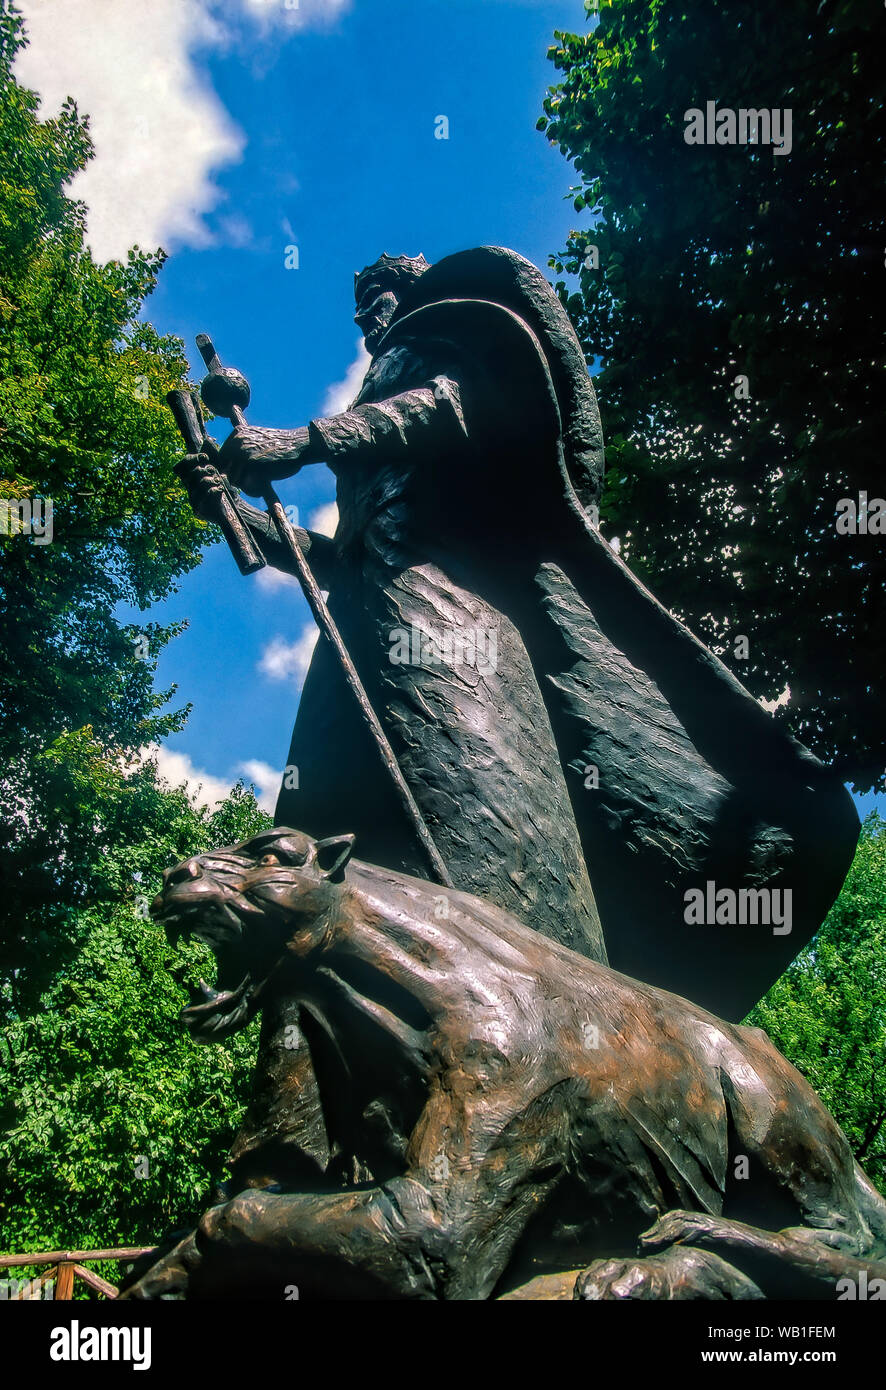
(204, 482)
(253, 457)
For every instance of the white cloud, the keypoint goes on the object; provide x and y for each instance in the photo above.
(234, 230)
(339, 396)
(294, 14)
(271, 580)
(206, 790)
(324, 520)
(266, 780)
(177, 769)
(160, 131)
(282, 660)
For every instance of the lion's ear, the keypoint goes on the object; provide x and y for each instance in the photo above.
(332, 856)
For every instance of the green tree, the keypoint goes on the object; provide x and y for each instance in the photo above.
(113, 1122)
(721, 262)
(83, 422)
(827, 1013)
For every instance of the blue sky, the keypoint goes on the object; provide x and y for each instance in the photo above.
(340, 159)
(342, 150)
(230, 130)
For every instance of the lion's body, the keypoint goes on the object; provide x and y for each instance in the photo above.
(508, 1108)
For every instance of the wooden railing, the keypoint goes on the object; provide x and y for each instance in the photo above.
(64, 1266)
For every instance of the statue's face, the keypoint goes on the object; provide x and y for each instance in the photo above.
(375, 309)
(252, 903)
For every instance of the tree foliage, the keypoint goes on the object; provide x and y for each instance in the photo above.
(114, 1124)
(827, 1013)
(83, 421)
(722, 261)
(111, 1120)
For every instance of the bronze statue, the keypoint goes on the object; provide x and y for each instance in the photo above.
(605, 762)
(491, 1110)
(456, 1096)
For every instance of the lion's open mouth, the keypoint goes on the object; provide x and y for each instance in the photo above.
(218, 1012)
(214, 1012)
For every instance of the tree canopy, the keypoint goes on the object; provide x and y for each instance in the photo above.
(83, 423)
(717, 263)
(112, 1121)
(827, 1013)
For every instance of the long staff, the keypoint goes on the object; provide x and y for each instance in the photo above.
(326, 623)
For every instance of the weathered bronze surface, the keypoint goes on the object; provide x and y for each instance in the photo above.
(456, 1096)
(608, 761)
(488, 1108)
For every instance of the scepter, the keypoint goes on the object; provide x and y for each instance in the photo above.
(188, 416)
(228, 394)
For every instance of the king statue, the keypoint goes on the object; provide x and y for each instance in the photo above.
(580, 758)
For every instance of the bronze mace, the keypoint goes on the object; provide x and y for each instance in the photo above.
(235, 387)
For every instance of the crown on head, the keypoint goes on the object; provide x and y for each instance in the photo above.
(394, 268)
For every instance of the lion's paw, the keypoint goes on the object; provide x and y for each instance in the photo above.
(617, 1279)
(678, 1274)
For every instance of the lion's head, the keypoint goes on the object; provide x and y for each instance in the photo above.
(251, 903)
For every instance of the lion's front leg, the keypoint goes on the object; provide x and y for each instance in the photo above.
(408, 1239)
(365, 1244)
(376, 1243)
(794, 1263)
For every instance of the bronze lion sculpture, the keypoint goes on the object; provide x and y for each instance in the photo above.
(488, 1114)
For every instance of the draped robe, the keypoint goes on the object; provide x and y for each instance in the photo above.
(606, 761)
